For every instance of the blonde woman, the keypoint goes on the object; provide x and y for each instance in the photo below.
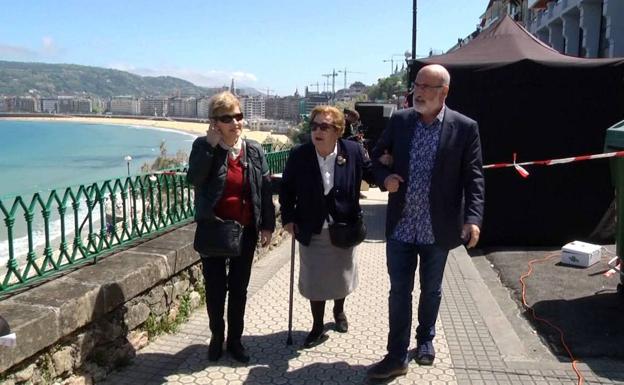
(231, 180)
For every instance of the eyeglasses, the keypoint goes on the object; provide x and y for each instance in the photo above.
(321, 126)
(229, 118)
(425, 87)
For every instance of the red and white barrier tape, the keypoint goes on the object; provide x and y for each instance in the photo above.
(517, 166)
(550, 162)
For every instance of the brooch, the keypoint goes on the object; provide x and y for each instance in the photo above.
(341, 160)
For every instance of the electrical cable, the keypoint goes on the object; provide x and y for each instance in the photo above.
(580, 378)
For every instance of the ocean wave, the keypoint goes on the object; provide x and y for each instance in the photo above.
(170, 130)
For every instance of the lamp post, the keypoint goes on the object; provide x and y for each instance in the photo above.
(128, 158)
(414, 24)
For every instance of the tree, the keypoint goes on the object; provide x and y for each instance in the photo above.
(386, 88)
(163, 161)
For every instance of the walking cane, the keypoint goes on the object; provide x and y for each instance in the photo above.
(290, 299)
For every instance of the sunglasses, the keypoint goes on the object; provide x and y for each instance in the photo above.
(321, 126)
(229, 118)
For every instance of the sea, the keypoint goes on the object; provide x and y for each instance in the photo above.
(39, 156)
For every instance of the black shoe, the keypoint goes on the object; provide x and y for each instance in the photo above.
(425, 353)
(341, 325)
(386, 368)
(237, 351)
(314, 338)
(215, 348)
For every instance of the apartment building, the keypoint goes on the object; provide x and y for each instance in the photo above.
(253, 106)
(153, 106)
(579, 27)
(182, 107)
(124, 105)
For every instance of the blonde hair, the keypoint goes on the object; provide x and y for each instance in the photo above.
(336, 114)
(222, 103)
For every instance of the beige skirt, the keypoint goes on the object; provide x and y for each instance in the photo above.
(326, 272)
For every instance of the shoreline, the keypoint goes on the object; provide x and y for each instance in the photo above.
(189, 128)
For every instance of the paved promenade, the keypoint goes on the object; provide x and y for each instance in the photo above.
(481, 338)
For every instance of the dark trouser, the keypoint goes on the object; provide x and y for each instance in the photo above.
(402, 260)
(218, 281)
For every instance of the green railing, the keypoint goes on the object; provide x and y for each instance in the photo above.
(275, 147)
(57, 230)
(277, 161)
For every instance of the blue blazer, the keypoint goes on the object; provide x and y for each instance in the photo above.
(457, 186)
(302, 199)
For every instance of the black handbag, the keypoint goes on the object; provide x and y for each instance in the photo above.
(346, 235)
(218, 238)
(222, 237)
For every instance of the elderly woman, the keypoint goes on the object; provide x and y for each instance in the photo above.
(321, 185)
(231, 180)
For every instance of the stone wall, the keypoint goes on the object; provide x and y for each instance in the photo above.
(77, 328)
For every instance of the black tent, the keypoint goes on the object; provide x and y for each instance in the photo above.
(532, 100)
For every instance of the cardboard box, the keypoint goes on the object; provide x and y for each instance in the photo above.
(580, 254)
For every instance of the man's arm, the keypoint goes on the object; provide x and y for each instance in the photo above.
(474, 183)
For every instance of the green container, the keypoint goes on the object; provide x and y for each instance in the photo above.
(614, 141)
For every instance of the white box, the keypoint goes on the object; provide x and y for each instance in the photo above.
(579, 253)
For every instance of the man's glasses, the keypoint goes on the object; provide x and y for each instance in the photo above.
(321, 126)
(425, 87)
(229, 118)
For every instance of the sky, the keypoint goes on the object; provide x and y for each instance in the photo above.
(275, 46)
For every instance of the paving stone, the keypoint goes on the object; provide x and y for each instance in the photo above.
(467, 352)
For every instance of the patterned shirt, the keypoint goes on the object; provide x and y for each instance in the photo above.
(415, 223)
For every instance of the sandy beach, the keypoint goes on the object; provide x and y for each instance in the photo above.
(194, 128)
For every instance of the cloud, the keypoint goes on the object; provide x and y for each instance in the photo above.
(48, 50)
(12, 52)
(210, 78)
(49, 46)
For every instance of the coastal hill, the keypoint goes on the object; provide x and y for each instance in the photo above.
(51, 80)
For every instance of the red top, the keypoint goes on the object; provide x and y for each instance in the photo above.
(232, 205)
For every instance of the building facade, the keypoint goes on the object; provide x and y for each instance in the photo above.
(271, 125)
(253, 106)
(584, 28)
(73, 105)
(285, 108)
(182, 107)
(313, 99)
(19, 104)
(153, 106)
(124, 105)
(49, 106)
(202, 108)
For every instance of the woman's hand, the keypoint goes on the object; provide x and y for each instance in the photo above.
(213, 136)
(265, 237)
(290, 228)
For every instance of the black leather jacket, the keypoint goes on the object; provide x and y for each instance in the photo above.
(207, 172)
